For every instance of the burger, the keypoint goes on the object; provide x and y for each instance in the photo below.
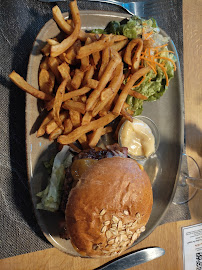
(107, 201)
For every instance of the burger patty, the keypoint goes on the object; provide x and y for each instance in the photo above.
(69, 183)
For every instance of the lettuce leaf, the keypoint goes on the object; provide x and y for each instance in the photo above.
(51, 196)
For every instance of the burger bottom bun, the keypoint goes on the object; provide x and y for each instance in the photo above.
(109, 207)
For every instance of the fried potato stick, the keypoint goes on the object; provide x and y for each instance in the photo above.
(95, 137)
(88, 75)
(71, 53)
(55, 133)
(105, 61)
(119, 45)
(52, 124)
(75, 117)
(67, 126)
(59, 19)
(64, 70)
(83, 140)
(46, 81)
(77, 79)
(85, 60)
(44, 63)
(51, 41)
(103, 82)
(58, 103)
(42, 129)
(69, 95)
(78, 132)
(46, 49)
(114, 86)
(95, 47)
(134, 61)
(101, 103)
(74, 105)
(86, 118)
(69, 41)
(22, 84)
(54, 64)
(119, 104)
(92, 83)
(127, 115)
(106, 130)
(137, 95)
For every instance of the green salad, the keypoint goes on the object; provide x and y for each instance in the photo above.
(157, 55)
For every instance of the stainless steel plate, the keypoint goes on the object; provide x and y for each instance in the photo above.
(167, 113)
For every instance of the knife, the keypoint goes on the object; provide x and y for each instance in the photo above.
(134, 258)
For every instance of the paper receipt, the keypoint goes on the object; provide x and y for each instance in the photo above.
(192, 247)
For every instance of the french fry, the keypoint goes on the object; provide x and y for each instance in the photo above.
(95, 137)
(67, 26)
(127, 115)
(125, 105)
(95, 46)
(67, 126)
(51, 41)
(67, 96)
(88, 75)
(85, 60)
(137, 95)
(105, 61)
(83, 140)
(103, 112)
(64, 70)
(52, 124)
(135, 60)
(59, 19)
(75, 117)
(83, 98)
(53, 64)
(42, 129)
(58, 103)
(46, 49)
(106, 93)
(86, 118)
(74, 105)
(119, 45)
(96, 58)
(92, 83)
(141, 72)
(101, 104)
(78, 132)
(46, 81)
(44, 63)
(108, 97)
(103, 82)
(77, 79)
(22, 84)
(67, 43)
(106, 130)
(76, 93)
(55, 133)
(74, 148)
(115, 84)
(70, 54)
(116, 37)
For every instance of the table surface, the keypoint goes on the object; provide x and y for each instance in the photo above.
(167, 236)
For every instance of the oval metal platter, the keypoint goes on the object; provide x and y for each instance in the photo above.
(167, 113)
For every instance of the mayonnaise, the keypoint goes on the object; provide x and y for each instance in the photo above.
(138, 138)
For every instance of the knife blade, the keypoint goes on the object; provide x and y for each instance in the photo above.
(133, 259)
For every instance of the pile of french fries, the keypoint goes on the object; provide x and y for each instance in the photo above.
(81, 81)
